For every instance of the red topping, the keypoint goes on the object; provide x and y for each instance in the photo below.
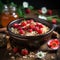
(32, 26)
(30, 30)
(39, 31)
(15, 25)
(24, 52)
(29, 26)
(36, 28)
(54, 21)
(21, 31)
(24, 23)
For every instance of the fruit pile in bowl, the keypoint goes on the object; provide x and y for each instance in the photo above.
(29, 31)
(29, 28)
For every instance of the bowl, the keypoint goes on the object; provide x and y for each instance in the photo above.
(33, 41)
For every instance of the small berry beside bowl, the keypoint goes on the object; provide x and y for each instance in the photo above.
(53, 44)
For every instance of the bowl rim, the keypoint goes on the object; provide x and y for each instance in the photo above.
(17, 35)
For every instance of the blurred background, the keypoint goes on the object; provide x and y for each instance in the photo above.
(50, 4)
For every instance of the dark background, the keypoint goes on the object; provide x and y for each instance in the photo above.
(50, 4)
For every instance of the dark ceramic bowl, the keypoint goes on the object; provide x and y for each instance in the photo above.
(31, 40)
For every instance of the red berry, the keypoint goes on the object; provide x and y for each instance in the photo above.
(27, 11)
(49, 12)
(54, 21)
(28, 21)
(24, 23)
(31, 20)
(39, 25)
(32, 26)
(21, 31)
(30, 30)
(36, 28)
(15, 50)
(19, 28)
(39, 31)
(39, 11)
(25, 28)
(24, 52)
(15, 25)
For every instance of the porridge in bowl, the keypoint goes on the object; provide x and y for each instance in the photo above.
(29, 28)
